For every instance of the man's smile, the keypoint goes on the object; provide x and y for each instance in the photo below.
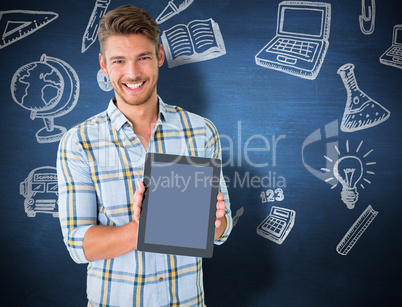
(134, 86)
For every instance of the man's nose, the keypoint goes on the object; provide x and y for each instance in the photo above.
(133, 70)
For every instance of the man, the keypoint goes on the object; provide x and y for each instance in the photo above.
(100, 168)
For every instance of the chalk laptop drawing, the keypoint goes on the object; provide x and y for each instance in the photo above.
(301, 40)
(393, 56)
(17, 24)
(199, 40)
(277, 225)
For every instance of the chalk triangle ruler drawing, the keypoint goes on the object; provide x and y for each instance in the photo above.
(17, 24)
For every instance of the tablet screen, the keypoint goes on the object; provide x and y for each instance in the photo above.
(178, 211)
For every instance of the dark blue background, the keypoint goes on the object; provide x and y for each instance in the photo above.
(232, 91)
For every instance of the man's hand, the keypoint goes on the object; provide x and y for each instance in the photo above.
(138, 197)
(220, 222)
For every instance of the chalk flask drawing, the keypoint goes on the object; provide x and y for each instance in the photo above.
(361, 111)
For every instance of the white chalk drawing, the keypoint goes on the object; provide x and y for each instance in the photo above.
(40, 191)
(361, 112)
(277, 225)
(91, 32)
(17, 24)
(103, 81)
(301, 40)
(173, 7)
(350, 170)
(356, 231)
(367, 16)
(271, 195)
(200, 40)
(393, 56)
(238, 214)
(49, 88)
(331, 132)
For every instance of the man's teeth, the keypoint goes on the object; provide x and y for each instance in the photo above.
(134, 86)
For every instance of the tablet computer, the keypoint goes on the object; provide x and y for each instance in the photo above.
(179, 205)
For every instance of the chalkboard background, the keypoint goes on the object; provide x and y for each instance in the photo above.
(279, 131)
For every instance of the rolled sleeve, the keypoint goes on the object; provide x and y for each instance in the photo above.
(77, 196)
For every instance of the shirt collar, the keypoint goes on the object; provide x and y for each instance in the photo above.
(119, 120)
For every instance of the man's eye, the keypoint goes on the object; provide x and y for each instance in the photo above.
(144, 58)
(118, 61)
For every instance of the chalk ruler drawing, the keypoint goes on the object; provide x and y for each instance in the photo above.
(361, 112)
(49, 88)
(17, 24)
(91, 32)
(104, 81)
(199, 40)
(350, 170)
(173, 7)
(367, 16)
(40, 191)
(301, 40)
(393, 56)
(238, 214)
(277, 225)
(356, 231)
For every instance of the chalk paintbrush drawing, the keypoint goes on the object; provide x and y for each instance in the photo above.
(173, 8)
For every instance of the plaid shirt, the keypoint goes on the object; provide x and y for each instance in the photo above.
(99, 163)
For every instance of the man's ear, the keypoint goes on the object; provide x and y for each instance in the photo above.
(102, 64)
(161, 56)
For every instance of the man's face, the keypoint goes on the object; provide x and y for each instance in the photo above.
(133, 67)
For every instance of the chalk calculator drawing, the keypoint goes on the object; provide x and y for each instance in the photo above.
(350, 170)
(356, 230)
(40, 191)
(393, 55)
(173, 7)
(301, 40)
(367, 16)
(361, 112)
(277, 225)
(48, 88)
(199, 40)
(17, 24)
(91, 32)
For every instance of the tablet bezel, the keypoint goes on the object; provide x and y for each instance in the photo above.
(206, 252)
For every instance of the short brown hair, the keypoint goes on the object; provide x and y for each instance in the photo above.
(126, 20)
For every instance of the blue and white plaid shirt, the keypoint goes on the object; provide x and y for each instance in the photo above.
(99, 163)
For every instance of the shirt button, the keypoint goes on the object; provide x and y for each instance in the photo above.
(160, 278)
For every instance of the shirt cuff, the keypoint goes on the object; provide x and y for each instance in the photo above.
(74, 243)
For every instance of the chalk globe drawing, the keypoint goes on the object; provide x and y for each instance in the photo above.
(49, 88)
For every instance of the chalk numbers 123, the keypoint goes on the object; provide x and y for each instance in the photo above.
(272, 196)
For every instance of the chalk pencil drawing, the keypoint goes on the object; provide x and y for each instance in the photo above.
(301, 41)
(40, 191)
(173, 8)
(367, 16)
(199, 40)
(393, 55)
(103, 81)
(356, 230)
(238, 214)
(361, 112)
(49, 88)
(17, 24)
(277, 225)
(350, 170)
(91, 31)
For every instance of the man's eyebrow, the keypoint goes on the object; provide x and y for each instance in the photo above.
(116, 57)
(145, 54)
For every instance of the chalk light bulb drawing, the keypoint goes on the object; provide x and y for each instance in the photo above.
(348, 170)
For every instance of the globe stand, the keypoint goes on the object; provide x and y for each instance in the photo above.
(50, 133)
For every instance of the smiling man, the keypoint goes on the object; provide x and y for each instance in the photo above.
(100, 168)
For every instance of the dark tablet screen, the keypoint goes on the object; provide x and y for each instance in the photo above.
(179, 205)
